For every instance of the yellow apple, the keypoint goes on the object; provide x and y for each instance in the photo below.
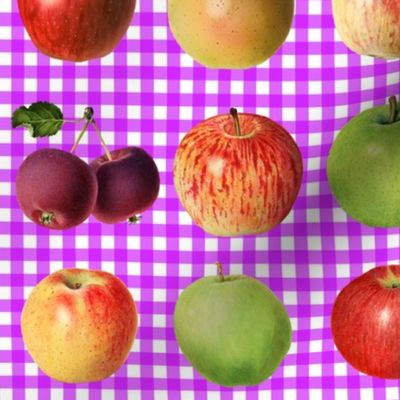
(79, 325)
(230, 33)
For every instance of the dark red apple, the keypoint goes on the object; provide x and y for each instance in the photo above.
(366, 322)
(76, 30)
(128, 184)
(56, 189)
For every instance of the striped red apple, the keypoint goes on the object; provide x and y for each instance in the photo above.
(237, 174)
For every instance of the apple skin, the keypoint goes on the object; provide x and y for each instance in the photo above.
(234, 331)
(56, 182)
(230, 34)
(237, 185)
(363, 166)
(128, 184)
(79, 334)
(77, 30)
(369, 27)
(365, 322)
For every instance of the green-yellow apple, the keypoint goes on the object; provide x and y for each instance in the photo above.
(364, 164)
(79, 325)
(369, 27)
(232, 329)
(230, 33)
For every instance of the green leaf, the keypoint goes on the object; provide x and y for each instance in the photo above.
(41, 119)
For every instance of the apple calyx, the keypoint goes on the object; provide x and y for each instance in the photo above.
(236, 121)
(220, 271)
(46, 218)
(134, 219)
(393, 109)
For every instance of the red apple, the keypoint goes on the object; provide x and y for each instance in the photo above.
(369, 27)
(366, 322)
(79, 325)
(237, 175)
(77, 30)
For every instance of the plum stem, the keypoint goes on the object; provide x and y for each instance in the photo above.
(46, 218)
(103, 143)
(80, 136)
(88, 116)
(393, 109)
(235, 117)
(74, 121)
(220, 271)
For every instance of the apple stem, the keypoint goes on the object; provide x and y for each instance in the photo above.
(78, 285)
(103, 143)
(393, 109)
(235, 117)
(220, 271)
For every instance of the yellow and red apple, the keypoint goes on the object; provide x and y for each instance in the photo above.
(79, 325)
(369, 27)
(237, 174)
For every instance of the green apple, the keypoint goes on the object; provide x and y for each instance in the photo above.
(364, 166)
(230, 33)
(232, 329)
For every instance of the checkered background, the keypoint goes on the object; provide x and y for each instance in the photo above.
(149, 93)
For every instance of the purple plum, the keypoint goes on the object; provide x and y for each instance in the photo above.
(128, 184)
(56, 189)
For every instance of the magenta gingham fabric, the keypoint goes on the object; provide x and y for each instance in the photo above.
(149, 93)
